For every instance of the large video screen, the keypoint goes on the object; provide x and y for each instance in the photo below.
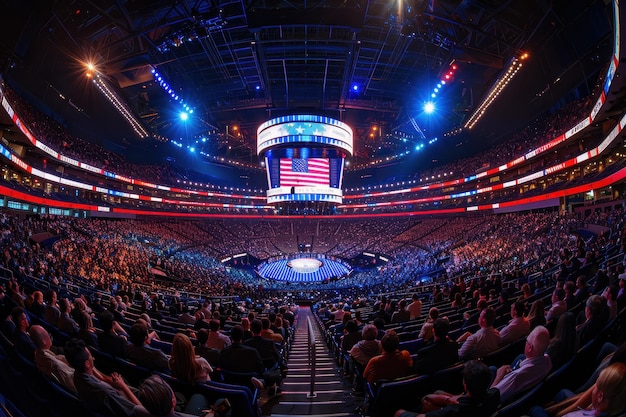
(301, 172)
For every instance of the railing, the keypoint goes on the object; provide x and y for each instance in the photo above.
(312, 355)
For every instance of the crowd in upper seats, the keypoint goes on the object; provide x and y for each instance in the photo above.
(52, 133)
(538, 132)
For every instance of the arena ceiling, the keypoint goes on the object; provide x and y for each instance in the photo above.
(369, 63)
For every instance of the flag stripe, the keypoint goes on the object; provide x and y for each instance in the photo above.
(304, 172)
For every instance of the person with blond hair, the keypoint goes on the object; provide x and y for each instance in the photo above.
(606, 397)
(184, 364)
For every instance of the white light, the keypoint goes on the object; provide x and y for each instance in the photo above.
(184, 116)
(429, 107)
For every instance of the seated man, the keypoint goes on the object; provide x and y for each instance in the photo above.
(392, 364)
(109, 340)
(518, 327)
(477, 401)
(484, 341)
(110, 398)
(269, 354)
(21, 340)
(512, 381)
(48, 363)
(240, 358)
(559, 306)
(142, 354)
(439, 355)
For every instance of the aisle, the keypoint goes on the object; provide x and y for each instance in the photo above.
(333, 396)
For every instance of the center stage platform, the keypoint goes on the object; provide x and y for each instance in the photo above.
(303, 268)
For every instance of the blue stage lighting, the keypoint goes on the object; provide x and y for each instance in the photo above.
(184, 116)
(429, 107)
(355, 87)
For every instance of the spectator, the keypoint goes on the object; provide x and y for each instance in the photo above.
(21, 340)
(402, 314)
(110, 398)
(512, 381)
(37, 307)
(184, 364)
(269, 355)
(109, 340)
(212, 355)
(268, 333)
(141, 353)
(217, 339)
(484, 341)
(582, 291)
(415, 308)
(478, 400)
(607, 397)
(441, 354)
(51, 312)
(366, 348)
(86, 331)
(185, 317)
(158, 400)
(351, 335)
(559, 306)
(66, 323)
(610, 295)
(537, 315)
(518, 327)
(48, 363)
(564, 344)
(427, 328)
(596, 316)
(392, 363)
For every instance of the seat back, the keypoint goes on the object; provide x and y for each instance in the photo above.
(241, 398)
(133, 373)
(393, 395)
(449, 379)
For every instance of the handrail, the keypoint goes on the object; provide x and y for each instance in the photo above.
(312, 354)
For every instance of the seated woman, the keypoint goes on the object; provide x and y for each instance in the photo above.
(607, 397)
(184, 364)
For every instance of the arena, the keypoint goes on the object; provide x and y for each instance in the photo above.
(326, 208)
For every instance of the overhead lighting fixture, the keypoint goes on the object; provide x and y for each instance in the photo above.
(120, 105)
(505, 78)
(170, 91)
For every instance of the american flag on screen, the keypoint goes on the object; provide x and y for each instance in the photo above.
(310, 172)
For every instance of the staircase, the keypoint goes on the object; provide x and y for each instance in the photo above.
(332, 395)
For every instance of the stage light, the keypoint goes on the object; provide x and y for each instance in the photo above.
(257, 88)
(355, 87)
(184, 116)
(429, 107)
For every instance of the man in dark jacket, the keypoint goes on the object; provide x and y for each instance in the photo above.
(441, 354)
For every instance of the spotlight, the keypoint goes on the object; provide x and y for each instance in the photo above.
(429, 107)
(184, 116)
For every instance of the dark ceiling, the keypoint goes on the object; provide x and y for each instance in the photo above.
(239, 63)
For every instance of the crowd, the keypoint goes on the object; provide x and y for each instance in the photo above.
(486, 260)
